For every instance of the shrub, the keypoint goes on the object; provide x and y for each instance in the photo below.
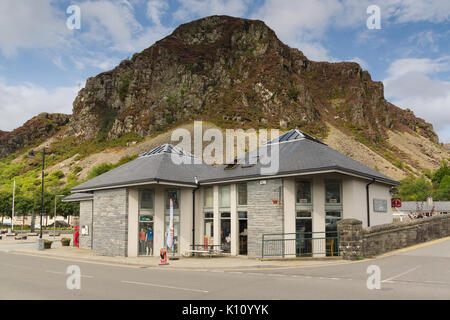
(47, 244)
(100, 169)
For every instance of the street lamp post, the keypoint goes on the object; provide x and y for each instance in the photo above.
(42, 191)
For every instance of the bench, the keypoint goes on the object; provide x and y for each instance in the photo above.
(21, 237)
(54, 234)
(209, 252)
(12, 234)
(32, 234)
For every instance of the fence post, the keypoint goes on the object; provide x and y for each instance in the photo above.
(262, 247)
(351, 239)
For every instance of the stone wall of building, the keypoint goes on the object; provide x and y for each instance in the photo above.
(357, 243)
(263, 215)
(110, 227)
(86, 220)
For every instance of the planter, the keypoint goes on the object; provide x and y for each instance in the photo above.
(47, 244)
(65, 242)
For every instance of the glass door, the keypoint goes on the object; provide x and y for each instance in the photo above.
(225, 232)
(303, 229)
(242, 215)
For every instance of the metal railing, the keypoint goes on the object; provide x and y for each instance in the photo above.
(300, 244)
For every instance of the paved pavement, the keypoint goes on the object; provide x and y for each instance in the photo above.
(419, 273)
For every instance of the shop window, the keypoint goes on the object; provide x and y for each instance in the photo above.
(225, 232)
(243, 233)
(332, 192)
(208, 197)
(209, 228)
(146, 216)
(242, 194)
(332, 243)
(331, 220)
(224, 196)
(147, 197)
(303, 195)
(173, 194)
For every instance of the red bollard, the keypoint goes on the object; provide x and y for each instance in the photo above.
(163, 256)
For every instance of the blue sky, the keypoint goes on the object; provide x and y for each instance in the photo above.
(43, 64)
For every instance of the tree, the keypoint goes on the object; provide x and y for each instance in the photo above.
(440, 173)
(5, 204)
(24, 206)
(415, 189)
(443, 192)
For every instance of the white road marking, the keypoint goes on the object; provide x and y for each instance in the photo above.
(163, 286)
(16, 266)
(401, 274)
(59, 272)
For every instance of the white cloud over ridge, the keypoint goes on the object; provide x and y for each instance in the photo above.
(19, 103)
(411, 84)
(30, 24)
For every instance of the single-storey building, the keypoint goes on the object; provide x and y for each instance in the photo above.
(234, 207)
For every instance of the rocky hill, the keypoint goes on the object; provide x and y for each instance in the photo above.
(37, 129)
(232, 73)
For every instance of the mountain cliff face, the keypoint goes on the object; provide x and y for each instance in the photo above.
(232, 73)
(235, 72)
(36, 129)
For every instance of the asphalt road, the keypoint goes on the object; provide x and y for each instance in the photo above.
(422, 273)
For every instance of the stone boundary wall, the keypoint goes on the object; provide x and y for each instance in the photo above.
(357, 243)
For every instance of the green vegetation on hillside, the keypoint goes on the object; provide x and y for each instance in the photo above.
(435, 184)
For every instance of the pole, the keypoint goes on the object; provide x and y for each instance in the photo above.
(54, 221)
(14, 198)
(42, 191)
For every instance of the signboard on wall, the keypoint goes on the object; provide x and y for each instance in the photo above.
(379, 205)
(396, 202)
(85, 230)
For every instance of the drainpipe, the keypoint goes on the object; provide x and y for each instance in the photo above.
(368, 203)
(193, 212)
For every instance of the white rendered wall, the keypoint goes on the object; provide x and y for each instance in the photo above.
(133, 217)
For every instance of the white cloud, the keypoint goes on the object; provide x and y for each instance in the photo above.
(189, 9)
(434, 11)
(361, 62)
(30, 24)
(22, 102)
(114, 24)
(155, 10)
(411, 84)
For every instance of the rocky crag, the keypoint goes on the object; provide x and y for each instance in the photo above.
(235, 72)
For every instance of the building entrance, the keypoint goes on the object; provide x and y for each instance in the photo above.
(303, 229)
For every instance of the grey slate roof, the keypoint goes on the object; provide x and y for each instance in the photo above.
(419, 206)
(298, 153)
(78, 197)
(301, 155)
(153, 166)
